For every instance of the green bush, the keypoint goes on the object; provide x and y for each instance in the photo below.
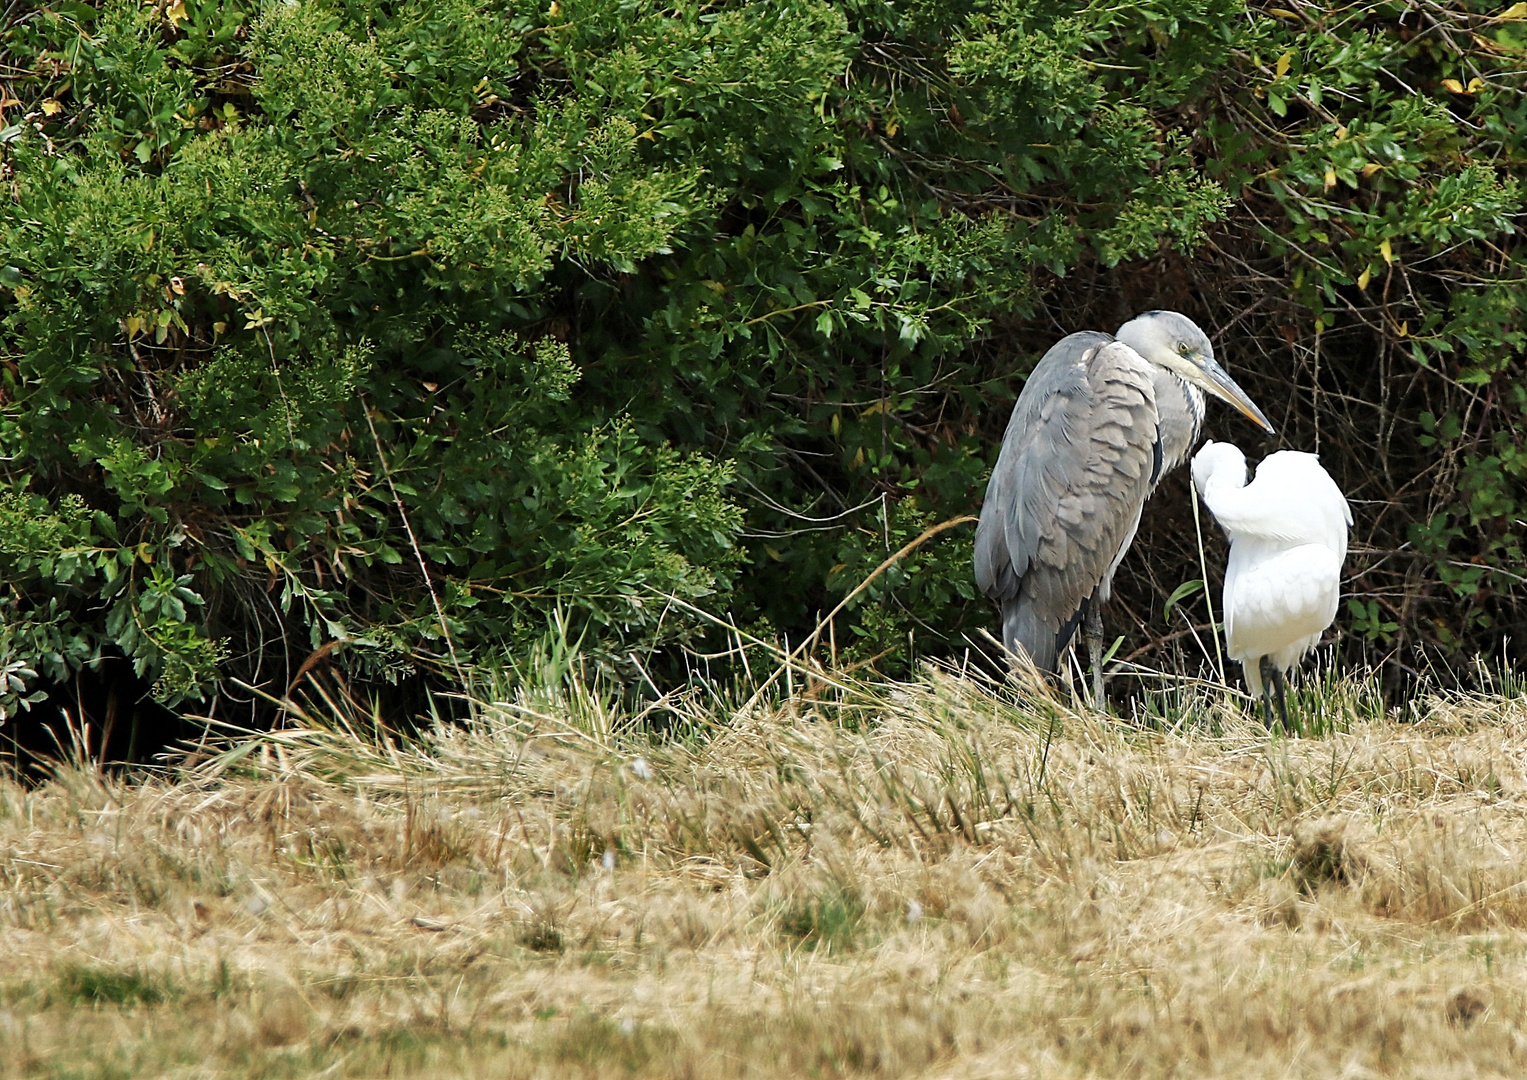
(418, 327)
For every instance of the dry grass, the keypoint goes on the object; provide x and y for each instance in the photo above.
(937, 879)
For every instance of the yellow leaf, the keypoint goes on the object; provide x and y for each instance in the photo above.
(176, 13)
(1386, 250)
(1476, 85)
(1330, 179)
(51, 107)
(1283, 63)
(555, 9)
(1453, 86)
(1515, 11)
(1365, 277)
(1369, 169)
(1405, 328)
(1284, 13)
(891, 128)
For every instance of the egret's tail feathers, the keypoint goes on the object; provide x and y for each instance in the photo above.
(1252, 668)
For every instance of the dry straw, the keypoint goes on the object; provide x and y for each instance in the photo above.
(945, 877)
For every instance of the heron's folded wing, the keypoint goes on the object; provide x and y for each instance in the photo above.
(1074, 471)
(1056, 389)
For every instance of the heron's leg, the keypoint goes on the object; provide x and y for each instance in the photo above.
(1095, 649)
(1270, 674)
(1282, 701)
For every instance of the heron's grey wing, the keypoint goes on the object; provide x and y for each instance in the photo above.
(1060, 374)
(1065, 497)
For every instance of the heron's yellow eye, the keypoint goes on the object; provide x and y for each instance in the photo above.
(1184, 348)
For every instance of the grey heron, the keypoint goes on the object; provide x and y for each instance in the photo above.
(1099, 422)
(1288, 540)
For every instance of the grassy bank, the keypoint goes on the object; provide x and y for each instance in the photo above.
(941, 878)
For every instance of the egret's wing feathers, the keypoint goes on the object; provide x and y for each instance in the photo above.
(1282, 603)
(1292, 501)
(1065, 497)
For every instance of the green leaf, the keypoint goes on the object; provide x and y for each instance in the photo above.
(1182, 592)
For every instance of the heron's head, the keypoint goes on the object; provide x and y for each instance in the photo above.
(1175, 342)
(1219, 460)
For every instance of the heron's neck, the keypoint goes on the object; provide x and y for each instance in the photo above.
(1195, 398)
(1180, 412)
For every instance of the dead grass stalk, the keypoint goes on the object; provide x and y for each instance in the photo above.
(939, 878)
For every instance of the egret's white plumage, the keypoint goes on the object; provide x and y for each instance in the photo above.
(1288, 539)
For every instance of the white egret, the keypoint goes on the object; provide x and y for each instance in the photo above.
(1288, 540)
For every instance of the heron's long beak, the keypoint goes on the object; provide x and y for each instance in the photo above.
(1218, 382)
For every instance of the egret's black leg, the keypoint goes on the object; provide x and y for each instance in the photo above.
(1270, 674)
(1095, 650)
(1282, 701)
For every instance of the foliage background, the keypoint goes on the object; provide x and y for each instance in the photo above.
(327, 326)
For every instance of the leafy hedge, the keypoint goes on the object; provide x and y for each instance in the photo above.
(418, 328)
